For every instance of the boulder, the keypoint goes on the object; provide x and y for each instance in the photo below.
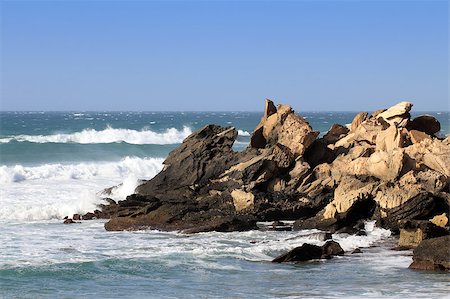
(412, 232)
(296, 134)
(425, 123)
(397, 115)
(432, 254)
(308, 252)
(76, 217)
(68, 221)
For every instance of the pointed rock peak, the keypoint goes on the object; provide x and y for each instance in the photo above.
(269, 108)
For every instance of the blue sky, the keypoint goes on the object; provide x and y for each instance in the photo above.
(222, 55)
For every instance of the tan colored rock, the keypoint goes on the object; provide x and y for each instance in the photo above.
(296, 134)
(386, 166)
(346, 141)
(389, 139)
(417, 136)
(397, 115)
(432, 153)
(357, 120)
(242, 200)
(276, 185)
(440, 220)
(269, 125)
(368, 131)
(257, 139)
(349, 191)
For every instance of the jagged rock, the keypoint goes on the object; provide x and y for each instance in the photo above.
(335, 133)
(296, 134)
(308, 252)
(425, 123)
(76, 217)
(257, 139)
(433, 154)
(389, 139)
(397, 115)
(359, 118)
(440, 220)
(432, 254)
(331, 183)
(417, 136)
(412, 232)
(202, 156)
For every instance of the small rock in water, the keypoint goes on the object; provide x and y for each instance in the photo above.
(88, 216)
(356, 250)
(76, 217)
(68, 221)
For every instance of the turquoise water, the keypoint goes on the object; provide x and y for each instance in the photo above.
(54, 164)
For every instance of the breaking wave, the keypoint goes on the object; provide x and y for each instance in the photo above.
(108, 135)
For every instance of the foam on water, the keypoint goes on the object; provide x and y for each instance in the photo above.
(108, 135)
(57, 190)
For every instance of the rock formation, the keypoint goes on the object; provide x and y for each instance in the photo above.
(432, 254)
(384, 167)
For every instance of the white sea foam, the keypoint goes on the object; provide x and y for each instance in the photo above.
(108, 135)
(139, 167)
(57, 190)
(243, 133)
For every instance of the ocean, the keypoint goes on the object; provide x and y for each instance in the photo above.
(55, 164)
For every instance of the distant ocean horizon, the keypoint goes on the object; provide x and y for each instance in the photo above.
(56, 163)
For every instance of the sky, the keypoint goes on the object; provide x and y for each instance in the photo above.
(223, 55)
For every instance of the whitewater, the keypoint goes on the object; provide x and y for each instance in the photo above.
(55, 164)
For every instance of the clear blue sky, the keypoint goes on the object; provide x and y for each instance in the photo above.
(183, 55)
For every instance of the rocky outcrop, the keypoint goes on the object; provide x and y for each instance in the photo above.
(384, 167)
(432, 254)
(308, 252)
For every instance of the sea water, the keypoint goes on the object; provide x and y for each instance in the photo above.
(55, 164)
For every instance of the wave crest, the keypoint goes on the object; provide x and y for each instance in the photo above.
(108, 135)
(147, 168)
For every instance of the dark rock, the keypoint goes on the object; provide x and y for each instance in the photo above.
(66, 217)
(308, 252)
(356, 250)
(76, 217)
(88, 216)
(432, 254)
(68, 221)
(425, 123)
(303, 253)
(201, 157)
(331, 248)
